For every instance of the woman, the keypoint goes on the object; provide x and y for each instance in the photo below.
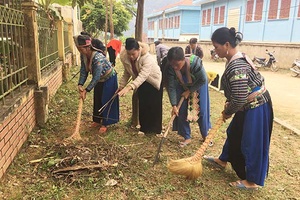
(249, 132)
(187, 78)
(104, 81)
(146, 75)
(193, 48)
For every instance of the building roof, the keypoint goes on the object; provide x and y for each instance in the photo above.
(181, 5)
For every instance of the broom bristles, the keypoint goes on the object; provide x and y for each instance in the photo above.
(186, 167)
(191, 167)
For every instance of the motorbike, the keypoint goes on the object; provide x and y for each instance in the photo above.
(295, 68)
(213, 55)
(266, 63)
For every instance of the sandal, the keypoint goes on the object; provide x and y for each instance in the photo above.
(94, 125)
(102, 129)
(184, 143)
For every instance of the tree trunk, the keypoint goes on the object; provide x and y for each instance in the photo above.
(139, 37)
(111, 24)
(106, 22)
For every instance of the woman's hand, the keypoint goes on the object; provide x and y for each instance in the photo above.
(186, 94)
(224, 116)
(82, 94)
(175, 111)
(124, 91)
(80, 88)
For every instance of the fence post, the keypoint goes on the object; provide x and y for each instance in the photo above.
(31, 42)
(60, 38)
(70, 37)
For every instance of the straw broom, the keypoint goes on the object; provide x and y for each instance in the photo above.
(76, 134)
(192, 167)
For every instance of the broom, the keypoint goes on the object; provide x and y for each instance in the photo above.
(166, 132)
(192, 167)
(76, 134)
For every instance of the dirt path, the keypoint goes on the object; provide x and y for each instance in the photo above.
(283, 88)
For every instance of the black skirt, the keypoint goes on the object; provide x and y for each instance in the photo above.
(150, 108)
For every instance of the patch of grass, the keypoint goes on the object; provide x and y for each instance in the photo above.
(128, 159)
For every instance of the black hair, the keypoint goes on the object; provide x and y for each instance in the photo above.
(81, 39)
(224, 34)
(131, 43)
(157, 42)
(175, 53)
(98, 45)
(193, 40)
(85, 33)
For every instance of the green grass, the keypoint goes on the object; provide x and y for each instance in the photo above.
(128, 159)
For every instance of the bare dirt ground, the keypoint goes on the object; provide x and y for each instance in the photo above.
(284, 90)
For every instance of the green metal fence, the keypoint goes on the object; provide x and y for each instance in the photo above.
(48, 44)
(13, 72)
(66, 38)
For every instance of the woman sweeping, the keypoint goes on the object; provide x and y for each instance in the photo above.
(104, 81)
(249, 132)
(146, 74)
(187, 77)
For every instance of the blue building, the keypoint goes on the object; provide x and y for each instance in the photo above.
(258, 20)
(176, 22)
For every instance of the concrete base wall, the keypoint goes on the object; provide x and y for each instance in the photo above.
(285, 53)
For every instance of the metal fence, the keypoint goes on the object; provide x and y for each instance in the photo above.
(13, 72)
(66, 38)
(48, 44)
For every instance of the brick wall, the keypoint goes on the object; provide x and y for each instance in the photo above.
(14, 129)
(20, 119)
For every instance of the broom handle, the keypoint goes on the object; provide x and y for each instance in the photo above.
(76, 132)
(173, 117)
(166, 132)
(199, 153)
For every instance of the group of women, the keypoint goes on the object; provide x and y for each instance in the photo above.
(247, 99)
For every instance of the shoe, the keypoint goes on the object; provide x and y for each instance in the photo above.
(102, 129)
(240, 185)
(94, 125)
(160, 135)
(141, 133)
(184, 143)
(212, 161)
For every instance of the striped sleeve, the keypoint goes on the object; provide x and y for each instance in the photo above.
(237, 81)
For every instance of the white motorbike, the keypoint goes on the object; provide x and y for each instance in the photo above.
(295, 68)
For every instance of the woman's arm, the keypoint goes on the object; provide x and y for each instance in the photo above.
(238, 82)
(98, 64)
(146, 64)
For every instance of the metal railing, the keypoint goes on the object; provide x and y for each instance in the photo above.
(13, 72)
(48, 44)
(66, 38)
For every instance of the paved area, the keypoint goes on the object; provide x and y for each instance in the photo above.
(284, 90)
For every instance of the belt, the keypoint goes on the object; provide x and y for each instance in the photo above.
(256, 93)
(107, 75)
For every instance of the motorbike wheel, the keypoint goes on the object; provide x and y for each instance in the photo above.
(294, 73)
(274, 68)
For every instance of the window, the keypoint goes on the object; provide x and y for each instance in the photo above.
(299, 10)
(216, 15)
(206, 17)
(171, 22)
(219, 15)
(254, 10)
(279, 9)
(177, 21)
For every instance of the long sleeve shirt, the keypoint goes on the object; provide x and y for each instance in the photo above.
(239, 80)
(198, 76)
(161, 52)
(99, 66)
